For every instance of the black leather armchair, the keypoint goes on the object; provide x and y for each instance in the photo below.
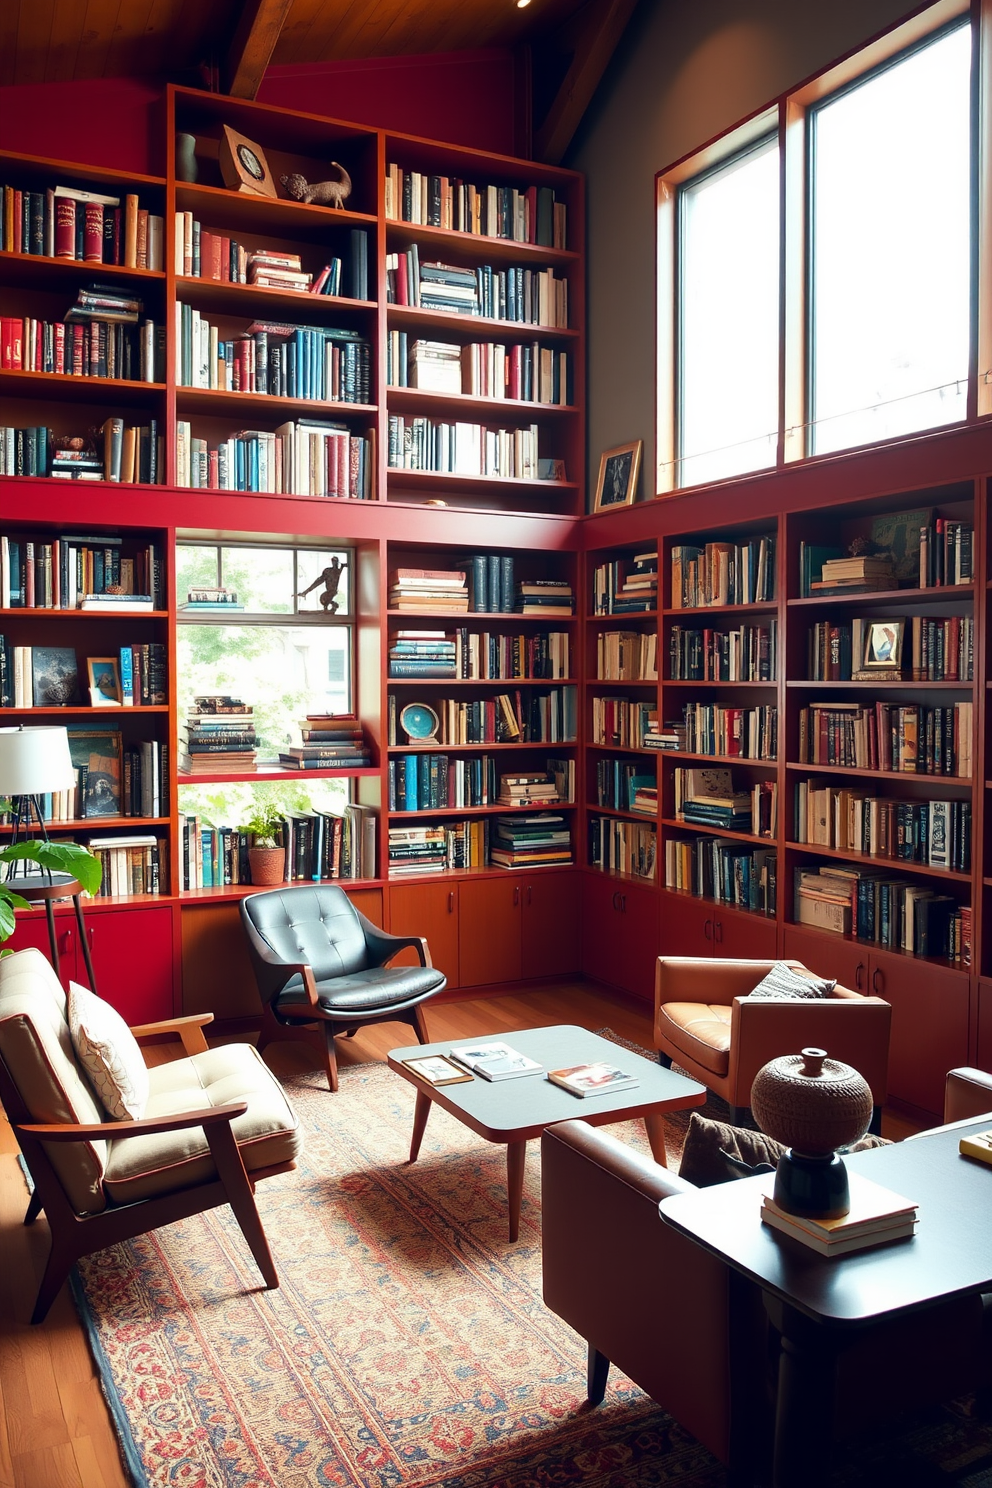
(321, 965)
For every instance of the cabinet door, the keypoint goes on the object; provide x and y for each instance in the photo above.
(550, 924)
(32, 931)
(929, 1026)
(620, 933)
(431, 910)
(489, 915)
(132, 961)
(983, 1053)
(687, 925)
(830, 956)
(748, 937)
(218, 976)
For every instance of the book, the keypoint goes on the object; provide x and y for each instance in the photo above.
(434, 1069)
(876, 1214)
(899, 1229)
(979, 1145)
(593, 1079)
(495, 1061)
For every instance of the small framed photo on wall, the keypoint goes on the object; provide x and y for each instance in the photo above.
(618, 472)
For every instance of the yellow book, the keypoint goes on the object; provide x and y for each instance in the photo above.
(979, 1145)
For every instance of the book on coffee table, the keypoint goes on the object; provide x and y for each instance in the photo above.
(876, 1215)
(592, 1079)
(436, 1070)
(495, 1061)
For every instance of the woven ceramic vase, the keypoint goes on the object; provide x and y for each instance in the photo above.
(814, 1105)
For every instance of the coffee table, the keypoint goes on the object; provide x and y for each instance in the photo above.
(818, 1303)
(514, 1111)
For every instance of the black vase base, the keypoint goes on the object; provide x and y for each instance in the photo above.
(812, 1187)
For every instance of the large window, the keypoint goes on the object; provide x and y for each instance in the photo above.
(889, 249)
(729, 314)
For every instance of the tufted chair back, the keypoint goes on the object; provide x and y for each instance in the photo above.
(319, 925)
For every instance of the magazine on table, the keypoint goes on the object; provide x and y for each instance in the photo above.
(436, 1070)
(495, 1061)
(593, 1079)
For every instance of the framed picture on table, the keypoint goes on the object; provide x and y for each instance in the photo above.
(618, 472)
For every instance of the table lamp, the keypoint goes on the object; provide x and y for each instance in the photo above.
(33, 761)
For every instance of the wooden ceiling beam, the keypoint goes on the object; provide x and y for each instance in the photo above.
(592, 54)
(251, 49)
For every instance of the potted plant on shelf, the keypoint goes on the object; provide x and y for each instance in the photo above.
(53, 858)
(266, 859)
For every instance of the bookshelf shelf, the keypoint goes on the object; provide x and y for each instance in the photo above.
(21, 269)
(908, 775)
(66, 387)
(252, 776)
(678, 825)
(723, 905)
(85, 710)
(452, 245)
(100, 824)
(891, 598)
(474, 327)
(871, 947)
(767, 607)
(300, 305)
(904, 684)
(716, 759)
(463, 405)
(897, 865)
(493, 809)
(682, 682)
(259, 215)
(265, 405)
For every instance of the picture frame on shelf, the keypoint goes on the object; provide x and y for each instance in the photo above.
(104, 673)
(883, 649)
(243, 165)
(96, 755)
(618, 472)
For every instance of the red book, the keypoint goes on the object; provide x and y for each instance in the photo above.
(6, 343)
(93, 232)
(212, 258)
(225, 260)
(65, 227)
(213, 470)
(18, 222)
(78, 333)
(402, 270)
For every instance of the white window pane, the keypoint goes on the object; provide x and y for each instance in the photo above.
(262, 578)
(890, 228)
(729, 362)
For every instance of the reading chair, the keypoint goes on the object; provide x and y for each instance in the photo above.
(115, 1149)
(321, 969)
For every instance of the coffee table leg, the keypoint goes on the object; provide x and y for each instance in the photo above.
(420, 1115)
(516, 1154)
(654, 1124)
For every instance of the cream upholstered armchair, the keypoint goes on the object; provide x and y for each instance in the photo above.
(706, 1023)
(115, 1150)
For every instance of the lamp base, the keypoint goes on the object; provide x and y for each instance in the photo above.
(814, 1187)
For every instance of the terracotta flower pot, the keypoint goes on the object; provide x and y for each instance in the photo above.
(268, 864)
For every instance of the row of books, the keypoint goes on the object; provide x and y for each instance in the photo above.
(79, 571)
(545, 717)
(102, 348)
(626, 586)
(131, 452)
(308, 457)
(750, 733)
(136, 782)
(321, 364)
(201, 254)
(224, 742)
(723, 573)
(522, 296)
(426, 781)
(624, 847)
(889, 737)
(480, 655)
(88, 226)
(420, 443)
(908, 553)
(422, 590)
(940, 649)
(723, 870)
(131, 865)
(872, 906)
(627, 656)
(527, 372)
(622, 723)
(853, 820)
(747, 654)
(539, 839)
(533, 215)
(710, 798)
(627, 785)
(439, 847)
(318, 845)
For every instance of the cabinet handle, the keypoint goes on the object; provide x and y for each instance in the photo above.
(451, 901)
(708, 930)
(718, 931)
(530, 894)
(876, 986)
(859, 977)
(66, 945)
(516, 894)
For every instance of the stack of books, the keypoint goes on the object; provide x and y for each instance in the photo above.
(218, 738)
(864, 574)
(331, 741)
(545, 597)
(417, 850)
(425, 589)
(638, 588)
(533, 788)
(422, 653)
(435, 367)
(531, 841)
(876, 1215)
(221, 598)
(440, 286)
(707, 798)
(273, 270)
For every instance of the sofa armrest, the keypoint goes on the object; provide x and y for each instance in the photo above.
(854, 1030)
(967, 1094)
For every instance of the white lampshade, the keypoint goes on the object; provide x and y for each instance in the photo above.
(34, 761)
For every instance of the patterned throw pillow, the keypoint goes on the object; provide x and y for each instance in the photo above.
(784, 984)
(109, 1053)
(715, 1152)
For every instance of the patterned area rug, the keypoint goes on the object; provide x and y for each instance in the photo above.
(407, 1344)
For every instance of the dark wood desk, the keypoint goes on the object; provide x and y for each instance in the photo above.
(515, 1111)
(815, 1302)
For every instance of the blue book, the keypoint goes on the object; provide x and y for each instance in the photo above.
(127, 676)
(411, 778)
(206, 857)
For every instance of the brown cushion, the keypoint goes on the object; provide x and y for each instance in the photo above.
(700, 1030)
(715, 1151)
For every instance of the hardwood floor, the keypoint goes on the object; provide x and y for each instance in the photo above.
(55, 1430)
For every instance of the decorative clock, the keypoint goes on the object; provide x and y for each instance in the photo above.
(243, 164)
(419, 722)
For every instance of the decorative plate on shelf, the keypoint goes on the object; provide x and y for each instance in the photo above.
(419, 722)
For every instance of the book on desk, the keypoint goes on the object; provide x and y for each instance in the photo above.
(876, 1216)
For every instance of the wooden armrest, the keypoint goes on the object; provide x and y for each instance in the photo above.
(188, 1029)
(148, 1127)
(404, 942)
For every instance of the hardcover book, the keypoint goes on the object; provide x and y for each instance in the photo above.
(593, 1079)
(495, 1061)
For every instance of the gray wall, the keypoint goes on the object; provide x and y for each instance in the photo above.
(685, 71)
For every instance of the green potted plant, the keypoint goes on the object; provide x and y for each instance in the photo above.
(55, 857)
(266, 859)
